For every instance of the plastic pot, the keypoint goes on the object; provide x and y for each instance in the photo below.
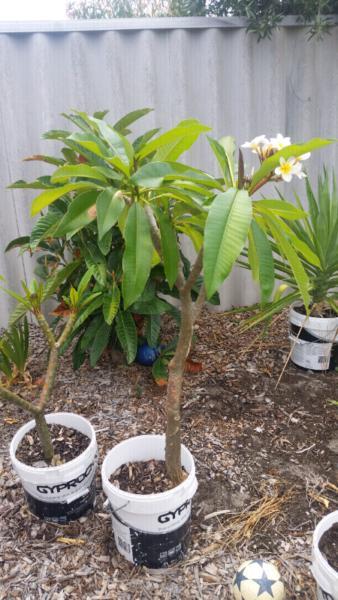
(314, 340)
(325, 576)
(149, 529)
(64, 492)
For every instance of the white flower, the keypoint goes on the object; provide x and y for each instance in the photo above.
(288, 168)
(304, 156)
(297, 170)
(256, 143)
(280, 142)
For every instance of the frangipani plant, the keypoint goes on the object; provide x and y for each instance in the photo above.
(153, 198)
(31, 301)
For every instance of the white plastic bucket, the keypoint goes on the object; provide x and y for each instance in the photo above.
(325, 576)
(149, 529)
(320, 333)
(63, 492)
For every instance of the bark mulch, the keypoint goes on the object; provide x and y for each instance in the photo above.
(68, 443)
(148, 477)
(266, 462)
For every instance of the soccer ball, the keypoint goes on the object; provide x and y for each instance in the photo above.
(258, 580)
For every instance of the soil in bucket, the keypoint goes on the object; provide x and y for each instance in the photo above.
(328, 545)
(68, 443)
(148, 477)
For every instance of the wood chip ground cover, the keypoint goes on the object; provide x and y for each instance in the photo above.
(266, 462)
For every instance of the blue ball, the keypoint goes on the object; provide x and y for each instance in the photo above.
(146, 355)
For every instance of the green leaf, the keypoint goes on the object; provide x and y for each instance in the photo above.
(226, 230)
(265, 262)
(279, 207)
(56, 134)
(152, 175)
(78, 355)
(228, 143)
(45, 227)
(119, 144)
(127, 334)
(225, 163)
(84, 314)
(17, 242)
(150, 307)
(99, 344)
(137, 256)
(106, 242)
(77, 215)
(57, 278)
(153, 327)
(84, 282)
(90, 331)
(109, 206)
(286, 248)
(295, 150)
(122, 124)
(111, 304)
(174, 139)
(17, 314)
(82, 170)
(42, 183)
(96, 260)
(51, 195)
(170, 249)
(141, 141)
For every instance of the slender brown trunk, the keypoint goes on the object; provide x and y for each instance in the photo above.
(174, 391)
(45, 438)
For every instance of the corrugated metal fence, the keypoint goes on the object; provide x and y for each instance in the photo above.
(197, 67)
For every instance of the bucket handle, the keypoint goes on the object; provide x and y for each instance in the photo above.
(116, 510)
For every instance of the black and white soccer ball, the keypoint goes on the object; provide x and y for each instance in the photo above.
(258, 580)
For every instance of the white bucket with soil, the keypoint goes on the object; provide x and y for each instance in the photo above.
(325, 576)
(149, 529)
(314, 340)
(64, 492)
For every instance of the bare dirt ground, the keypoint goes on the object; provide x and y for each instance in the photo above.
(266, 463)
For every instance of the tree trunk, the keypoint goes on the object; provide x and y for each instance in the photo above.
(174, 391)
(44, 436)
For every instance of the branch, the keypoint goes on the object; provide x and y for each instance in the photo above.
(195, 272)
(67, 330)
(49, 379)
(20, 402)
(199, 303)
(260, 184)
(45, 328)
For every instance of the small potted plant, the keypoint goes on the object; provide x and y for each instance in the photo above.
(314, 324)
(55, 455)
(150, 480)
(324, 557)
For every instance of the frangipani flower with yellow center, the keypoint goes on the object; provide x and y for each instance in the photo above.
(288, 168)
(256, 144)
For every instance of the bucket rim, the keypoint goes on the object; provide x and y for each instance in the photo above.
(324, 524)
(190, 481)
(19, 435)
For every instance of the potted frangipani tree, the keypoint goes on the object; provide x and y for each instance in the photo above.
(55, 455)
(150, 480)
